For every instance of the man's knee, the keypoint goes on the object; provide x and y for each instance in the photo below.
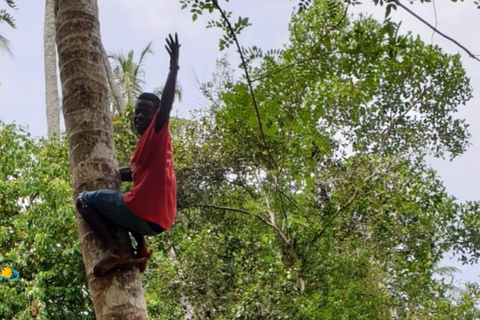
(81, 205)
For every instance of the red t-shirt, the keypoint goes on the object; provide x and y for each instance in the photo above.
(153, 196)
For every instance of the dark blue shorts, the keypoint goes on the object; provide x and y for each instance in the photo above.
(110, 205)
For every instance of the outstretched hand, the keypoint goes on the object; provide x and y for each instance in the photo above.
(173, 49)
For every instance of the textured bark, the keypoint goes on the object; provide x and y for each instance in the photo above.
(114, 91)
(51, 86)
(118, 295)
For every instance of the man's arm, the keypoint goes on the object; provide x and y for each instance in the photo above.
(125, 174)
(169, 90)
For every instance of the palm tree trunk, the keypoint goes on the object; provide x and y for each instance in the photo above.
(50, 56)
(118, 295)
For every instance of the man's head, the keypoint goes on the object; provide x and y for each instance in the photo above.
(145, 108)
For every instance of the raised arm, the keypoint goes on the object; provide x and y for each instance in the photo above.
(168, 94)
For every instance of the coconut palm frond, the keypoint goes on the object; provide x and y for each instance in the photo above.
(7, 18)
(11, 4)
(129, 74)
(446, 270)
(178, 92)
(5, 45)
(139, 67)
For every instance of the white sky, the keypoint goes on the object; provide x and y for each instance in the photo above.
(129, 24)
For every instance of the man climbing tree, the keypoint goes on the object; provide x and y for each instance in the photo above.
(150, 207)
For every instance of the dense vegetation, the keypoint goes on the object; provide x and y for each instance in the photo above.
(319, 206)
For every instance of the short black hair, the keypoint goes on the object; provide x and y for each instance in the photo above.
(150, 97)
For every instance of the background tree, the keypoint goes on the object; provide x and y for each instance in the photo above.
(51, 85)
(129, 75)
(287, 135)
(38, 234)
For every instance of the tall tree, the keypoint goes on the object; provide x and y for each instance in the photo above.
(128, 74)
(376, 214)
(50, 60)
(118, 295)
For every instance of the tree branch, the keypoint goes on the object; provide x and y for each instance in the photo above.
(250, 86)
(333, 28)
(397, 2)
(293, 64)
(354, 196)
(274, 227)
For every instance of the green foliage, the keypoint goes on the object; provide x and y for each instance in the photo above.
(197, 8)
(381, 91)
(38, 233)
(389, 4)
(361, 228)
(125, 136)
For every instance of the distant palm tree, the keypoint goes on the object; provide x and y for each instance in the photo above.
(129, 74)
(445, 270)
(7, 18)
(50, 61)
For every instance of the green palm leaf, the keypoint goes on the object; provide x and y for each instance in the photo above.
(8, 19)
(129, 74)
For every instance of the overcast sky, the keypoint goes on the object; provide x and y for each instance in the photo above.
(132, 24)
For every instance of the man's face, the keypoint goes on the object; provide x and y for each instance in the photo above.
(144, 113)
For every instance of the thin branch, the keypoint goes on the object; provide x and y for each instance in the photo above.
(250, 86)
(241, 184)
(282, 205)
(354, 196)
(274, 227)
(397, 2)
(229, 209)
(292, 202)
(268, 74)
(388, 130)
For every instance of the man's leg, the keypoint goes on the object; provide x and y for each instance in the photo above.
(110, 205)
(142, 250)
(98, 224)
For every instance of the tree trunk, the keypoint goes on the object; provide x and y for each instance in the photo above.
(118, 295)
(50, 56)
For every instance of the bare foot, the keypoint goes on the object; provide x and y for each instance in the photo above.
(143, 255)
(109, 262)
